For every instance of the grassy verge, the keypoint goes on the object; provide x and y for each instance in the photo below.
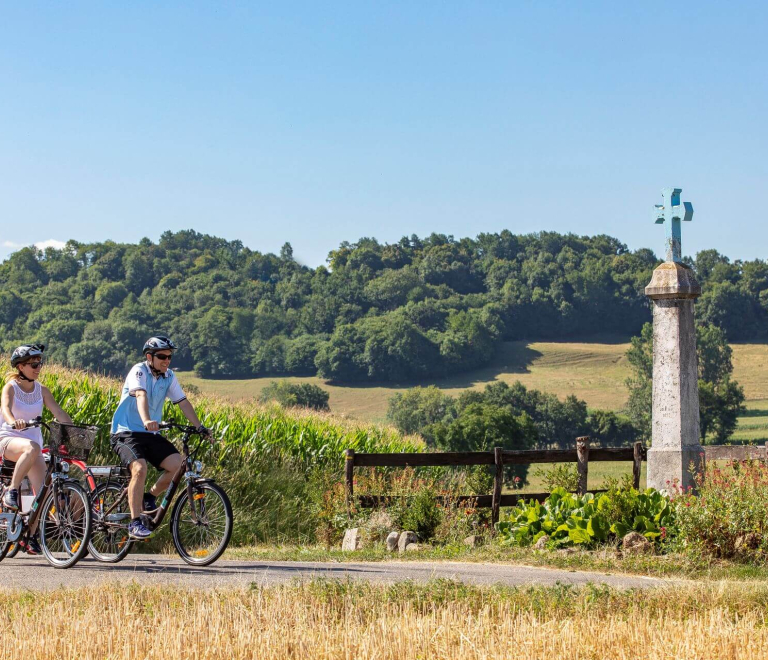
(403, 621)
(605, 560)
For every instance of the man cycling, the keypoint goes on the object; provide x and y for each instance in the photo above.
(135, 424)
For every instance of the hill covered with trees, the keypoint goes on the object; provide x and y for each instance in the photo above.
(379, 312)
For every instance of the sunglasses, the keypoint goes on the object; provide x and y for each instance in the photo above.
(163, 356)
(35, 365)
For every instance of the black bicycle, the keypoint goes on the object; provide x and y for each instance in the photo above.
(62, 507)
(201, 519)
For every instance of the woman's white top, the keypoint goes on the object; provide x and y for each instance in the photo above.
(26, 406)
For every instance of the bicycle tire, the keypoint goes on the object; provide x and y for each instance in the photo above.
(95, 547)
(12, 550)
(202, 556)
(78, 518)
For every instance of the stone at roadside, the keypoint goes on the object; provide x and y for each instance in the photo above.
(473, 541)
(411, 547)
(405, 539)
(635, 543)
(353, 540)
(567, 551)
(392, 541)
(541, 544)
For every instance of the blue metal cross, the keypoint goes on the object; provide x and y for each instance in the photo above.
(672, 212)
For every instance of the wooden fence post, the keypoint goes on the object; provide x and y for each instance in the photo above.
(349, 473)
(498, 481)
(637, 464)
(582, 456)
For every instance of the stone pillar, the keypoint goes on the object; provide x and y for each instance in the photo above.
(675, 434)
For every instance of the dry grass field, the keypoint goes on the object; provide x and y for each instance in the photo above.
(594, 372)
(404, 621)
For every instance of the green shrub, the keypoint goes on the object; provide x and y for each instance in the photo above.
(422, 514)
(304, 395)
(732, 504)
(560, 475)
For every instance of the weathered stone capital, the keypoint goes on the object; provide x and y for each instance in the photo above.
(673, 280)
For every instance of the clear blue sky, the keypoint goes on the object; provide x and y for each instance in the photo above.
(320, 122)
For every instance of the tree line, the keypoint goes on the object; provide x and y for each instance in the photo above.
(376, 312)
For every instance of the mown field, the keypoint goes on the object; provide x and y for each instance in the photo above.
(403, 621)
(594, 372)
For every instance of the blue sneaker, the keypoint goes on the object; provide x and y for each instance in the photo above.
(11, 499)
(136, 530)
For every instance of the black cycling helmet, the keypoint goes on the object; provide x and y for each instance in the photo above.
(25, 351)
(158, 343)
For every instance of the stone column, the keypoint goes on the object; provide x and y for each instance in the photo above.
(675, 433)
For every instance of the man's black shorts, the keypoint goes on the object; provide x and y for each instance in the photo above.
(133, 445)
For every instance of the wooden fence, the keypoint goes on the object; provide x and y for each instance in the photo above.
(582, 455)
(499, 458)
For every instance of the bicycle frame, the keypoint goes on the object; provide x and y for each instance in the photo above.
(185, 469)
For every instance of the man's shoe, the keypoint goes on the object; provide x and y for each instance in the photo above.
(136, 530)
(11, 499)
(31, 545)
(149, 503)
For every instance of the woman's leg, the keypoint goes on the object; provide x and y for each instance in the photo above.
(28, 457)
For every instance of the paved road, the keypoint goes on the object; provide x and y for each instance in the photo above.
(34, 573)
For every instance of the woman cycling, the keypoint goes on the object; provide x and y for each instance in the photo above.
(23, 398)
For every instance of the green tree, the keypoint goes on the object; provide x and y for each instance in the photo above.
(418, 407)
(304, 395)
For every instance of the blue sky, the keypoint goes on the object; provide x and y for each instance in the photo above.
(316, 123)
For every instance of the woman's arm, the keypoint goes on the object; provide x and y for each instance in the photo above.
(54, 407)
(7, 403)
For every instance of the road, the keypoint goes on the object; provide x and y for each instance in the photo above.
(34, 573)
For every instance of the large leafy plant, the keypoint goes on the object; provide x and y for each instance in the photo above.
(569, 519)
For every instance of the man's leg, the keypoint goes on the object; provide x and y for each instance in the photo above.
(169, 466)
(138, 471)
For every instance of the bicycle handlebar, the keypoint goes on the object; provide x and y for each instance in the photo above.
(191, 430)
(32, 423)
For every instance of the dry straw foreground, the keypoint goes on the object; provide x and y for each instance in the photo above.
(404, 621)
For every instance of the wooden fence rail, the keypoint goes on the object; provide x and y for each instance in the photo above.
(581, 455)
(500, 458)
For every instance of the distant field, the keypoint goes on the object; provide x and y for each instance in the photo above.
(594, 372)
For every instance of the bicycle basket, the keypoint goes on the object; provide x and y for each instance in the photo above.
(72, 441)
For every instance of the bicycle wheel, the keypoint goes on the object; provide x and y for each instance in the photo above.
(65, 524)
(5, 545)
(13, 550)
(202, 539)
(110, 542)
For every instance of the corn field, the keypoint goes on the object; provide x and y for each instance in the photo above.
(245, 429)
(266, 458)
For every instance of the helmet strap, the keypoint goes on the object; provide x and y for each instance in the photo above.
(21, 376)
(151, 364)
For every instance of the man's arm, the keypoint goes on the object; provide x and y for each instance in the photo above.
(143, 405)
(189, 412)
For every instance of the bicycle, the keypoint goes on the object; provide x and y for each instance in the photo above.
(62, 505)
(88, 478)
(201, 519)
